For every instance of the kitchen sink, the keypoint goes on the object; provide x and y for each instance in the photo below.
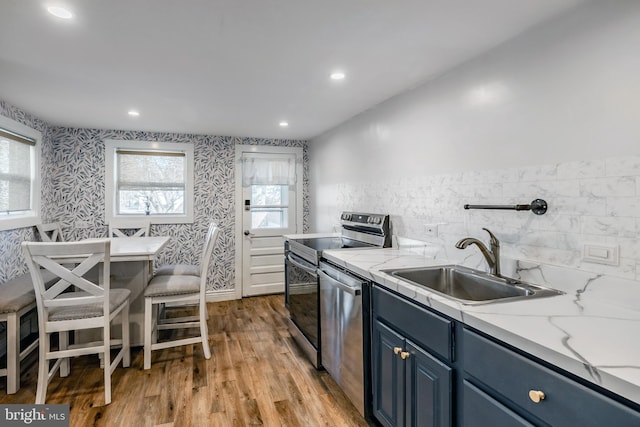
(471, 286)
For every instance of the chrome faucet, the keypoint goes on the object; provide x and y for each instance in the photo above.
(492, 256)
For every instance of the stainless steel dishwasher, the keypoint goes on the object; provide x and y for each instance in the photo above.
(341, 332)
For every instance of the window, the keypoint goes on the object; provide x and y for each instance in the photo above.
(19, 175)
(269, 177)
(150, 179)
(269, 206)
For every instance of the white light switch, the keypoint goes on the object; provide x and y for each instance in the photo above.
(600, 254)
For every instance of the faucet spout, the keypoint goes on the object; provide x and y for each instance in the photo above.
(492, 256)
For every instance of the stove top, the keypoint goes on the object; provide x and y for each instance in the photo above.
(326, 243)
(359, 230)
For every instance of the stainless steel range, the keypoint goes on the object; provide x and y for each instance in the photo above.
(302, 259)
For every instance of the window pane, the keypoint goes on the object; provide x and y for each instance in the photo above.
(151, 183)
(15, 176)
(156, 202)
(269, 218)
(269, 195)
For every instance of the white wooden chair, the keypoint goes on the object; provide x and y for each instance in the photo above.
(140, 227)
(50, 232)
(74, 303)
(178, 289)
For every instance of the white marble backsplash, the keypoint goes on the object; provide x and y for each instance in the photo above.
(590, 202)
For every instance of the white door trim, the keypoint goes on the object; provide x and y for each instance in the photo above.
(298, 151)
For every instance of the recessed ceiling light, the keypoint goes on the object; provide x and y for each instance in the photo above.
(338, 75)
(60, 12)
(134, 113)
(284, 124)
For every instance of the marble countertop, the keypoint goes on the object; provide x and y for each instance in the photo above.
(590, 331)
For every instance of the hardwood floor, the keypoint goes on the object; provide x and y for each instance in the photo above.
(256, 376)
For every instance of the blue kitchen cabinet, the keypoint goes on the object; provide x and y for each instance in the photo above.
(510, 383)
(429, 370)
(411, 387)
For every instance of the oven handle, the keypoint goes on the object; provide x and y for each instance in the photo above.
(337, 284)
(302, 266)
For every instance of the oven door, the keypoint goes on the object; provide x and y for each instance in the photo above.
(302, 294)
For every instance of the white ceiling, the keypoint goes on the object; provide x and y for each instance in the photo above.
(239, 67)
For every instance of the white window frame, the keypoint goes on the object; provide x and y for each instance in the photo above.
(112, 145)
(31, 217)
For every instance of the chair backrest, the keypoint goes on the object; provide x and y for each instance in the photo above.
(209, 242)
(55, 257)
(50, 232)
(139, 226)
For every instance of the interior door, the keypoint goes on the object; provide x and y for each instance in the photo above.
(269, 210)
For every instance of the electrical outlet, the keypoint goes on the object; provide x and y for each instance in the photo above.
(431, 230)
(82, 224)
(601, 254)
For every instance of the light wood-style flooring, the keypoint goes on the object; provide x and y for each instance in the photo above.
(256, 376)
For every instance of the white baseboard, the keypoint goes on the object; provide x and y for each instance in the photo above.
(221, 295)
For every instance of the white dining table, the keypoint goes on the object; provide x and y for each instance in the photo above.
(131, 268)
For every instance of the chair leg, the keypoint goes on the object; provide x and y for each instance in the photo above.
(126, 346)
(13, 353)
(106, 336)
(204, 331)
(43, 368)
(64, 344)
(148, 308)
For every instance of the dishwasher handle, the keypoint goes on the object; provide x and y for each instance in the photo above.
(337, 284)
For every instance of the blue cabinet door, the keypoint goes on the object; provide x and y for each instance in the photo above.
(428, 382)
(388, 376)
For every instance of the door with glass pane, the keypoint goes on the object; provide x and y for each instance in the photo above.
(270, 187)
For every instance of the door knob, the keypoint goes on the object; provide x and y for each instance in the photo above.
(404, 355)
(536, 396)
(397, 350)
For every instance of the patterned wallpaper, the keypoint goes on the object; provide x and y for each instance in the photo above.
(73, 190)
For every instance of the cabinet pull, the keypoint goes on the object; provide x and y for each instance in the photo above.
(397, 350)
(536, 396)
(404, 355)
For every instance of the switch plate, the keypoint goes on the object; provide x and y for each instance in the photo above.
(601, 254)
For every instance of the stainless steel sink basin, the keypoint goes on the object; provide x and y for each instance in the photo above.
(471, 286)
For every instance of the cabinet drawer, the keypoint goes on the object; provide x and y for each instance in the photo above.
(427, 329)
(566, 402)
(481, 410)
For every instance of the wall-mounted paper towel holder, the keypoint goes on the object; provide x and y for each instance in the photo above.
(538, 207)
